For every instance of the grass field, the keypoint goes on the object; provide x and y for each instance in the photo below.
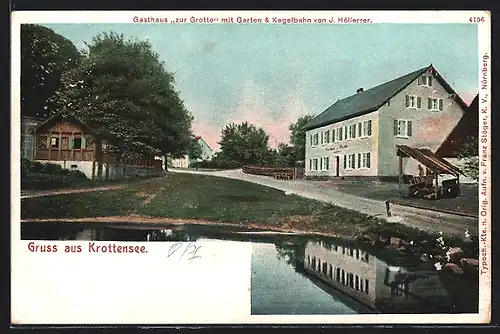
(210, 198)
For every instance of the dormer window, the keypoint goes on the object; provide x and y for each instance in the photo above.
(425, 80)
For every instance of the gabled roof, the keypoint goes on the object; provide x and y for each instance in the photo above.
(198, 138)
(467, 126)
(373, 98)
(62, 115)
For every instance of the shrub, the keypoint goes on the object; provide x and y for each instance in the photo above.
(38, 176)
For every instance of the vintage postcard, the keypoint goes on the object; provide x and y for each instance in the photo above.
(251, 167)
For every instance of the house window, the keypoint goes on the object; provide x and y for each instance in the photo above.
(338, 134)
(352, 131)
(54, 142)
(413, 102)
(425, 80)
(367, 129)
(325, 163)
(435, 104)
(365, 160)
(315, 139)
(77, 143)
(402, 128)
(351, 161)
(327, 137)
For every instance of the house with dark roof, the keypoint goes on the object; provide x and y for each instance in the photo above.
(68, 141)
(358, 136)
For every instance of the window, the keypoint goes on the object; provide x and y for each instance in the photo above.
(352, 131)
(327, 137)
(435, 104)
(54, 142)
(402, 128)
(338, 134)
(351, 161)
(413, 102)
(425, 80)
(77, 143)
(365, 160)
(367, 129)
(315, 139)
(325, 163)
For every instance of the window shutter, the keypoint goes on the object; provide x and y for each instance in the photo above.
(441, 105)
(354, 131)
(369, 128)
(345, 131)
(345, 161)
(359, 160)
(407, 103)
(84, 143)
(360, 125)
(327, 163)
(311, 140)
(409, 132)
(368, 160)
(419, 81)
(340, 134)
(395, 127)
(419, 102)
(429, 103)
(334, 133)
(70, 144)
(321, 164)
(310, 164)
(429, 82)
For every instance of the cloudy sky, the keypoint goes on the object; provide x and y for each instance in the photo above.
(269, 75)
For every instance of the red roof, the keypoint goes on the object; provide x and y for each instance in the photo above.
(467, 126)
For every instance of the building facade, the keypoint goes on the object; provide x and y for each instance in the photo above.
(357, 136)
(185, 162)
(67, 141)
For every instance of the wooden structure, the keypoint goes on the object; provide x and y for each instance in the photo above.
(279, 173)
(68, 141)
(428, 186)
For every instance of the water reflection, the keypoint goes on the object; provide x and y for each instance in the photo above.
(304, 274)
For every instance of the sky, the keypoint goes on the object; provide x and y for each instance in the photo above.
(269, 75)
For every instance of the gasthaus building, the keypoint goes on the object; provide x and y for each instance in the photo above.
(358, 136)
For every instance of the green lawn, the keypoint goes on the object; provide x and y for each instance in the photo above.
(202, 197)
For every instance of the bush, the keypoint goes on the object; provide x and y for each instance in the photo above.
(38, 176)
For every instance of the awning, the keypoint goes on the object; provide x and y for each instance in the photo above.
(430, 160)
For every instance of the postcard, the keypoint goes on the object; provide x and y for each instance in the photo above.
(236, 167)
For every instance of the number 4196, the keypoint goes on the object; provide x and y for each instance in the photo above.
(476, 19)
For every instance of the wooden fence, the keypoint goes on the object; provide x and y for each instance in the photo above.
(282, 173)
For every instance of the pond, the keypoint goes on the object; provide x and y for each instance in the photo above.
(303, 274)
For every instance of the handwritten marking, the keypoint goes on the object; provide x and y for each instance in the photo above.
(190, 249)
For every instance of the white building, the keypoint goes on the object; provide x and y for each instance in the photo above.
(206, 154)
(357, 136)
(372, 281)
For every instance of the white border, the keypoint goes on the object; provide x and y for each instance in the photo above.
(484, 37)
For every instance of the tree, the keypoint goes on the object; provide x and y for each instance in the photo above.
(469, 155)
(285, 156)
(194, 151)
(298, 136)
(243, 144)
(123, 90)
(45, 55)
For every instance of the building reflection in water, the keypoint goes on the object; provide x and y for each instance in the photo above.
(375, 283)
